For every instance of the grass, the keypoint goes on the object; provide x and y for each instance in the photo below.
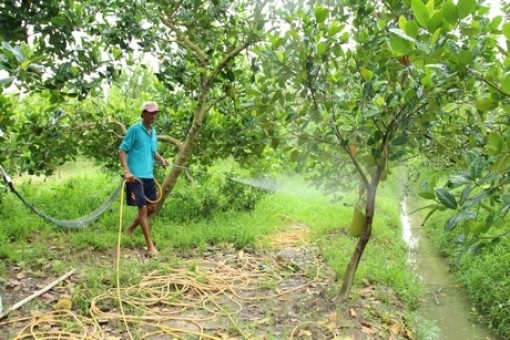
(28, 241)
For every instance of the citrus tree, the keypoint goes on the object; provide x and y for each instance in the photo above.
(362, 86)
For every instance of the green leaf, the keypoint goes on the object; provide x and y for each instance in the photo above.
(457, 218)
(465, 8)
(421, 13)
(344, 37)
(117, 53)
(6, 80)
(506, 30)
(465, 193)
(486, 104)
(25, 64)
(400, 44)
(435, 37)
(412, 29)
(446, 198)
(477, 198)
(456, 181)
(367, 74)
(402, 22)
(496, 22)
(489, 178)
(477, 167)
(430, 206)
(295, 35)
(506, 199)
(465, 57)
(61, 20)
(495, 143)
(381, 24)
(427, 195)
(505, 84)
(436, 21)
(294, 155)
(450, 12)
(321, 14)
(280, 55)
(501, 163)
(335, 27)
(431, 212)
(450, 107)
(322, 47)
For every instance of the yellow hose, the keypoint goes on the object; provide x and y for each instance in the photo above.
(176, 302)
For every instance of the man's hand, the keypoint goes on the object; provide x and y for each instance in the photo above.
(128, 176)
(164, 162)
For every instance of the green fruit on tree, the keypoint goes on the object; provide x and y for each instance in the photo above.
(231, 92)
(381, 161)
(369, 160)
(357, 223)
(384, 174)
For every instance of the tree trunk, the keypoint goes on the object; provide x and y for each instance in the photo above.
(185, 151)
(352, 267)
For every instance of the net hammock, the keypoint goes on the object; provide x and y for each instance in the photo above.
(73, 223)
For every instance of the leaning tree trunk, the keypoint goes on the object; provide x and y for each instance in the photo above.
(184, 151)
(352, 267)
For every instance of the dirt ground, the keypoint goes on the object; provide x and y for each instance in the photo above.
(286, 292)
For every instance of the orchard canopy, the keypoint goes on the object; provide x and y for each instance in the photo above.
(337, 88)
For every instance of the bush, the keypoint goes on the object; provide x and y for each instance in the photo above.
(217, 188)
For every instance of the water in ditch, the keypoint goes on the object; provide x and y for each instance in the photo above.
(444, 304)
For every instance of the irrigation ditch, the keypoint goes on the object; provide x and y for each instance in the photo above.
(444, 304)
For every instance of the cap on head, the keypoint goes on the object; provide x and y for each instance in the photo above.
(149, 107)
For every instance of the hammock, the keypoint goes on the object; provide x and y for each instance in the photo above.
(74, 223)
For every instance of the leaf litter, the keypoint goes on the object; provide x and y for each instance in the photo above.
(283, 291)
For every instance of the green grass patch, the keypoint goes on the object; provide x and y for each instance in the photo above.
(29, 238)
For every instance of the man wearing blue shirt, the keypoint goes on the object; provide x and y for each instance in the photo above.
(137, 153)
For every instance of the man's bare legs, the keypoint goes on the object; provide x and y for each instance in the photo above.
(142, 220)
(151, 209)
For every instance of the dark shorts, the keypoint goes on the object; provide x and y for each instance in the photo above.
(139, 191)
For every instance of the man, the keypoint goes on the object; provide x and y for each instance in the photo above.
(137, 153)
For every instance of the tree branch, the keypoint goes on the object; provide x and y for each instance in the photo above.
(172, 140)
(230, 56)
(183, 39)
(482, 79)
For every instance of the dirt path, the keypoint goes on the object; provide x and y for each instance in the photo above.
(284, 291)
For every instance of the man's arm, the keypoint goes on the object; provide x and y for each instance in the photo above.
(160, 159)
(128, 176)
